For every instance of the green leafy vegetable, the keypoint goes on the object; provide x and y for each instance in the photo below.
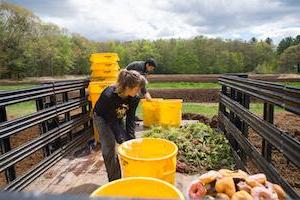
(199, 147)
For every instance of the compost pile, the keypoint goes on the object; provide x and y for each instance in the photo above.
(199, 147)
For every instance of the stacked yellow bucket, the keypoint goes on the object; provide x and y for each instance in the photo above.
(104, 72)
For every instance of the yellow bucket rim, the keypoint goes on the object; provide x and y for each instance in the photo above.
(149, 159)
(163, 100)
(137, 178)
(173, 100)
(152, 100)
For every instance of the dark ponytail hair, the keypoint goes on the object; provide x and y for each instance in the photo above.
(130, 79)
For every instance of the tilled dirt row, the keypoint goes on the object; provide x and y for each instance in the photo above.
(213, 78)
(188, 95)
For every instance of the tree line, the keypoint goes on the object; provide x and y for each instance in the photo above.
(30, 47)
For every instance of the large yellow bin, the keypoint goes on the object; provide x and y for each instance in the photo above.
(138, 187)
(149, 157)
(164, 112)
(150, 111)
(95, 90)
(104, 58)
(105, 73)
(104, 79)
(105, 66)
(170, 111)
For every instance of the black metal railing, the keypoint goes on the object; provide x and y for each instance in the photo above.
(60, 130)
(235, 120)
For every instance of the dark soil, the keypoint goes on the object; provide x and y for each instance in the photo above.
(188, 95)
(289, 123)
(213, 122)
(212, 78)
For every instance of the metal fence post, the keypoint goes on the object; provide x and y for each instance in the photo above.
(84, 109)
(269, 117)
(244, 100)
(222, 109)
(65, 97)
(10, 173)
(40, 105)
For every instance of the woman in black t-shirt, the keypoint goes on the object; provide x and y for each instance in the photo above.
(115, 103)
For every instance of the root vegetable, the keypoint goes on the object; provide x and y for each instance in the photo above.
(261, 178)
(279, 191)
(253, 183)
(241, 195)
(234, 174)
(243, 186)
(209, 177)
(222, 196)
(197, 191)
(261, 193)
(225, 185)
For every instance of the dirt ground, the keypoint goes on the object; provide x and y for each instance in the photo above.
(210, 78)
(188, 95)
(213, 122)
(290, 123)
(24, 165)
(213, 78)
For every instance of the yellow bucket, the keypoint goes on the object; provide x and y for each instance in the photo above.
(104, 58)
(149, 157)
(138, 187)
(164, 112)
(170, 111)
(150, 112)
(95, 90)
(105, 73)
(105, 66)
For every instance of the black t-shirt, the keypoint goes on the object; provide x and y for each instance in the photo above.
(112, 108)
(139, 66)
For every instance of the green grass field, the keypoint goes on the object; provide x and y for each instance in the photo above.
(16, 87)
(294, 84)
(20, 109)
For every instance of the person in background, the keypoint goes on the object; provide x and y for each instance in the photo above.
(115, 103)
(144, 68)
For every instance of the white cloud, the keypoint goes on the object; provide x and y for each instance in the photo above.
(152, 19)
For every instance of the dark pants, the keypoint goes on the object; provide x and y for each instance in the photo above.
(136, 101)
(108, 148)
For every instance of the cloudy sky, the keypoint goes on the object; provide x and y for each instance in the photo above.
(124, 20)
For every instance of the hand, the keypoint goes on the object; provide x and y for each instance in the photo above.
(131, 136)
(148, 96)
(120, 140)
